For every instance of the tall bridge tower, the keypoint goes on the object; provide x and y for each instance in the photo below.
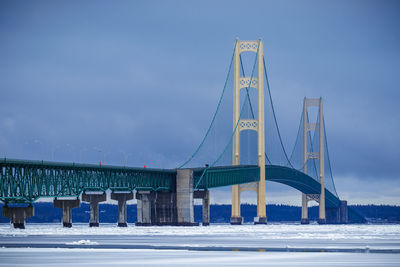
(308, 127)
(256, 124)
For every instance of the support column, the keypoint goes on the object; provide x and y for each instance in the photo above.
(304, 209)
(206, 208)
(66, 205)
(94, 199)
(17, 215)
(204, 195)
(322, 217)
(184, 197)
(144, 207)
(122, 197)
(343, 212)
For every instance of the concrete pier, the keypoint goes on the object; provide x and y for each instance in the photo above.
(156, 208)
(305, 221)
(260, 220)
(18, 215)
(66, 205)
(337, 215)
(170, 208)
(236, 220)
(94, 199)
(344, 217)
(145, 201)
(333, 216)
(206, 209)
(184, 197)
(122, 197)
(164, 210)
(205, 197)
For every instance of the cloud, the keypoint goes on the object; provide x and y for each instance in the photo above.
(145, 78)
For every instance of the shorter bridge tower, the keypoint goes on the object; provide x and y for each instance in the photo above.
(256, 124)
(310, 127)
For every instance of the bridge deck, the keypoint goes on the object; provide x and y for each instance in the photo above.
(26, 181)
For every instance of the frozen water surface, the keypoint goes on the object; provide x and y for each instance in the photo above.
(275, 244)
(273, 231)
(118, 257)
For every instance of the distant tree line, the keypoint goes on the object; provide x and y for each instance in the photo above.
(45, 212)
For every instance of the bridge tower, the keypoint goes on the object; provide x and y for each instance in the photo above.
(256, 124)
(307, 127)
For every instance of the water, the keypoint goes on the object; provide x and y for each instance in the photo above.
(275, 244)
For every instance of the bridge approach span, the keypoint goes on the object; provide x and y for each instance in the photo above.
(24, 181)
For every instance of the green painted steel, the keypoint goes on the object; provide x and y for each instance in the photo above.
(308, 185)
(224, 176)
(300, 181)
(26, 181)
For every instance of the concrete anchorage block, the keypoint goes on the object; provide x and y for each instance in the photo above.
(156, 208)
(170, 208)
(164, 212)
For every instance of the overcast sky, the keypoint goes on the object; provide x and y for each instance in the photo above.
(142, 78)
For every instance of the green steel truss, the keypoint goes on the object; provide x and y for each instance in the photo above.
(26, 181)
(205, 178)
(223, 176)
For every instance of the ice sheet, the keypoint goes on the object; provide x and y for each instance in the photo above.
(270, 231)
(119, 257)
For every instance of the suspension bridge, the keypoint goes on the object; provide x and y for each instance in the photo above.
(242, 148)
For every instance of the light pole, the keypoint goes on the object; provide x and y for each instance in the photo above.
(126, 156)
(80, 153)
(5, 150)
(98, 150)
(25, 149)
(72, 151)
(36, 141)
(105, 156)
(54, 152)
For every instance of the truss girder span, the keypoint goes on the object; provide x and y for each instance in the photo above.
(26, 181)
(224, 176)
